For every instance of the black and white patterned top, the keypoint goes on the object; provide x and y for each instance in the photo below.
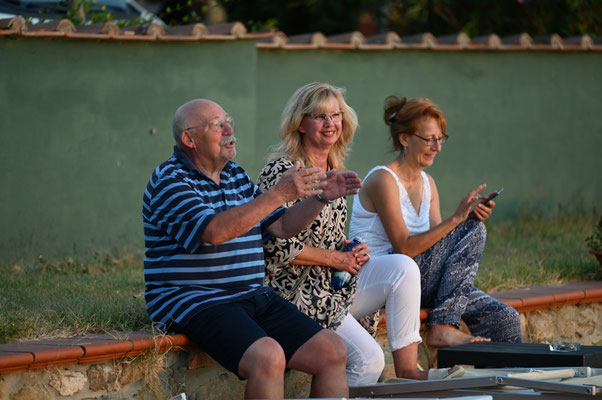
(308, 287)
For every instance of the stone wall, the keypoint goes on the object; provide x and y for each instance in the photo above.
(161, 376)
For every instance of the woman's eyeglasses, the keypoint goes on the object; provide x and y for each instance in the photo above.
(433, 141)
(336, 116)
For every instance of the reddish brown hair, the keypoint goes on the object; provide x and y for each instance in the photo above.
(404, 116)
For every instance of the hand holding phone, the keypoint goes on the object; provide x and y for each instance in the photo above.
(491, 196)
(487, 200)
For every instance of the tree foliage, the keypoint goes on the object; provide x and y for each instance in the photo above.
(406, 17)
(82, 12)
(503, 17)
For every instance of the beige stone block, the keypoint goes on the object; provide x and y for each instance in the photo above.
(541, 326)
(67, 382)
(567, 326)
(105, 377)
(28, 393)
(129, 374)
(296, 384)
(213, 383)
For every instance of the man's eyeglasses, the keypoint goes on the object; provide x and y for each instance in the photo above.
(433, 141)
(336, 116)
(217, 125)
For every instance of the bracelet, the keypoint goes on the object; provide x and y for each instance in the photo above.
(323, 200)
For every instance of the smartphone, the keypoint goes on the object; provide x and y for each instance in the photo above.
(492, 196)
(488, 199)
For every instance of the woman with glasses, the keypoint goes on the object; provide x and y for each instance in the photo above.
(397, 212)
(316, 129)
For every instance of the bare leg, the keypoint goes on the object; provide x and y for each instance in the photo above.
(263, 365)
(406, 362)
(441, 335)
(323, 356)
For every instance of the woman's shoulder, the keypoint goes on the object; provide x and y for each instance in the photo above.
(278, 162)
(429, 179)
(380, 173)
(273, 170)
(379, 179)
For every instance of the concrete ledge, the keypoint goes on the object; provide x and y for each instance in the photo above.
(23, 356)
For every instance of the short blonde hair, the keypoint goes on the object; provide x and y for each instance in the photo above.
(311, 98)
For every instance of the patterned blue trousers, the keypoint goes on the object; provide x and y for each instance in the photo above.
(447, 272)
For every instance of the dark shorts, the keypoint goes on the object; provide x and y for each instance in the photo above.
(226, 331)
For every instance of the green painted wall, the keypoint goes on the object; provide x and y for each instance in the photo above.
(76, 149)
(528, 121)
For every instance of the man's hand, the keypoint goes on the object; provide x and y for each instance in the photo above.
(339, 184)
(297, 183)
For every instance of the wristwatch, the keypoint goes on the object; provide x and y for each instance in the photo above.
(323, 200)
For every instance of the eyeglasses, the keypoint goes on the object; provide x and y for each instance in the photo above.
(216, 125)
(336, 116)
(432, 141)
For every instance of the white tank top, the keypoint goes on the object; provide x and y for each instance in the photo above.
(369, 227)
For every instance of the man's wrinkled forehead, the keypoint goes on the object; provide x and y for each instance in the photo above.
(207, 110)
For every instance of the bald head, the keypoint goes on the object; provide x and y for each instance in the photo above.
(190, 114)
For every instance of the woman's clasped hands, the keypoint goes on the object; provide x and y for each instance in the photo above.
(352, 261)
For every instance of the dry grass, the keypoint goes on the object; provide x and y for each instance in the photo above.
(68, 298)
(534, 250)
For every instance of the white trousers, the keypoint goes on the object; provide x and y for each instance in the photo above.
(391, 281)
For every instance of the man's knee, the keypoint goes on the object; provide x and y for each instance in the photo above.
(329, 347)
(264, 357)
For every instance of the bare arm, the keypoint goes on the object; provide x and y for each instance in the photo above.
(346, 261)
(294, 184)
(382, 197)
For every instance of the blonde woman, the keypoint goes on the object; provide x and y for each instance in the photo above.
(316, 129)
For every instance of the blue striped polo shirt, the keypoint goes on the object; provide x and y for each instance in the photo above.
(184, 275)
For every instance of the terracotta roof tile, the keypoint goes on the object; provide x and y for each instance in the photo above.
(554, 40)
(521, 39)
(390, 39)
(278, 40)
(423, 40)
(13, 25)
(491, 41)
(195, 31)
(105, 350)
(235, 29)
(11, 361)
(51, 28)
(460, 40)
(106, 28)
(584, 42)
(345, 40)
(309, 40)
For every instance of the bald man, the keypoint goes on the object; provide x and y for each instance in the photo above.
(204, 221)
